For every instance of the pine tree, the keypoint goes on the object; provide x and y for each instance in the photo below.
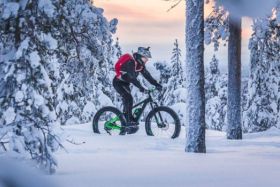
(263, 102)
(29, 61)
(216, 96)
(86, 53)
(56, 58)
(176, 80)
(176, 62)
(211, 78)
(195, 75)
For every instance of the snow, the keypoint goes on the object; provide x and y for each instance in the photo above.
(51, 42)
(23, 3)
(20, 77)
(38, 99)
(19, 96)
(9, 115)
(139, 160)
(181, 109)
(11, 9)
(47, 6)
(89, 108)
(73, 120)
(23, 46)
(34, 59)
(63, 106)
(52, 116)
(106, 101)
(23, 177)
(69, 89)
(9, 71)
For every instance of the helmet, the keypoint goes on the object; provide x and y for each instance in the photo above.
(144, 52)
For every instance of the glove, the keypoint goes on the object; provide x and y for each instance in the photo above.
(159, 87)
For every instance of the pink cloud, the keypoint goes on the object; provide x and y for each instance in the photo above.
(125, 12)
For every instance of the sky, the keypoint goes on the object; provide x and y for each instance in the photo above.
(148, 23)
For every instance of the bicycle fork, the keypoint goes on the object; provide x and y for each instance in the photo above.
(159, 119)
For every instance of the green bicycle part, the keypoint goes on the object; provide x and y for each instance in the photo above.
(111, 124)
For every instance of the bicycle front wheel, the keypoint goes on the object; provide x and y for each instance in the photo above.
(108, 120)
(163, 122)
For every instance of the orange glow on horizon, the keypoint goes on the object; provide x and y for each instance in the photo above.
(148, 23)
(144, 19)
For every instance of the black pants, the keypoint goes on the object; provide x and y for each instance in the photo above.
(124, 90)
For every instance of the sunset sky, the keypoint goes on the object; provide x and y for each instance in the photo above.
(147, 23)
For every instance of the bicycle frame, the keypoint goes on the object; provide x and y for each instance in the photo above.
(144, 103)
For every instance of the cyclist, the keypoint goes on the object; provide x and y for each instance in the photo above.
(127, 69)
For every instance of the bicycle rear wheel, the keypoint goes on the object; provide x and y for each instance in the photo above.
(108, 120)
(163, 122)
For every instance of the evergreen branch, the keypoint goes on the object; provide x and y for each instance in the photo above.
(45, 131)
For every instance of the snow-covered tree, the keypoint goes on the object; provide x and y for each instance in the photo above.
(217, 27)
(177, 69)
(211, 78)
(195, 75)
(216, 90)
(221, 25)
(86, 56)
(29, 62)
(177, 79)
(216, 24)
(216, 96)
(262, 110)
(56, 65)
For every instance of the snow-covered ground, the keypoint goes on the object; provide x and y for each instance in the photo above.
(139, 160)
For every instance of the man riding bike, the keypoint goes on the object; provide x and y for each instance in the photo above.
(127, 69)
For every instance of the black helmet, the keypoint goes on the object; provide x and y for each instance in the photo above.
(144, 52)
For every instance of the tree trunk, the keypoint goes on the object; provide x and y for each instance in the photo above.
(195, 73)
(234, 129)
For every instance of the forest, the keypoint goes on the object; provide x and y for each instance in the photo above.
(57, 61)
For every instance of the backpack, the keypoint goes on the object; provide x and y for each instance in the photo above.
(122, 60)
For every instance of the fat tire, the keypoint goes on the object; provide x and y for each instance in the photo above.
(172, 114)
(101, 111)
